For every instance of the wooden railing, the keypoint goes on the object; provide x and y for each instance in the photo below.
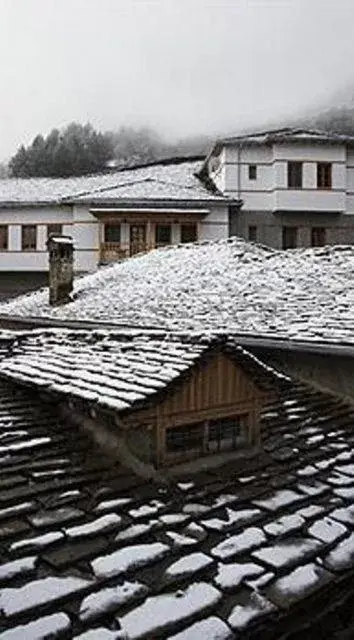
(116, 251)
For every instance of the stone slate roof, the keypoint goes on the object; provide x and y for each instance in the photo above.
(165, 180)
(258, 548)
(227, 286)
(115, 371)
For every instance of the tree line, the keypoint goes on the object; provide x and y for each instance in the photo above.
(80, 149)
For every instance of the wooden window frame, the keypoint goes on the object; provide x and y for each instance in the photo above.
(287, 229)
(252, 233)
(55, 232)
(318, 232)
(30, 247)
(295, 174)
(252, 172)
(158, 226)
(189, 225)
(4, 228)
(111, 225)
(324, 175)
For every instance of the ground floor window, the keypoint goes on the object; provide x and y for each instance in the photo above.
(185, 438)
(29, 237)
(4, 237)
(163, 234)
(252, 233)
(318, 237)
(189, 233)
(289, 237)
(54, 229)
(112, 232)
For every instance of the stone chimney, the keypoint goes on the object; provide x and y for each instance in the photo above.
(61, 269)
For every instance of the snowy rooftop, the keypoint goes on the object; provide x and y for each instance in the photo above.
(227, 286)
(259, 549)
(175, 180)
(289, 134)
(118, 371)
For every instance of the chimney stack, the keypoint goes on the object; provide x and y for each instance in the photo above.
(61, 269)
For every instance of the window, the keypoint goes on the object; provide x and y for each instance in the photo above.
(188, 232)
(295, 175)
(112, 232)
(29, 237)
(252, 172)
(324, 175)
(162, 234)
(4, 237)
(54, 230)
(183, 439)
(224, 435)
(252, 233)
(318, 237)
(289, 237)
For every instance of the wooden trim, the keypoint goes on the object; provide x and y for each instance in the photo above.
(281, 160)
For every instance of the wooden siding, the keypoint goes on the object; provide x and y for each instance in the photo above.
(215, 389)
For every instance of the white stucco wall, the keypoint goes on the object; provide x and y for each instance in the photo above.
(215, 225)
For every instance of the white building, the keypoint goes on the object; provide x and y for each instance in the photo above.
(283, 188)
(297, 186)
(110, 216)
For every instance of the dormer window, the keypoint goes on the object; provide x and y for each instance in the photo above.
(295, 175)
(252, 172)
(324, 175)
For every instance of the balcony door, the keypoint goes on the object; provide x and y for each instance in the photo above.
(137, 238)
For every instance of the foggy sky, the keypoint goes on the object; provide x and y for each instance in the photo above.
(182, 66)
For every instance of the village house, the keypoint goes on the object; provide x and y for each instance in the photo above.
(296, 186)
(284, 188)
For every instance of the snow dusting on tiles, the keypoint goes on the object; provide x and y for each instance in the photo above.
(220, 558)
(229, 285)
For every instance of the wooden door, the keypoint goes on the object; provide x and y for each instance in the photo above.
(137, 238)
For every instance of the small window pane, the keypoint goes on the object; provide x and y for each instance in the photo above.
(29, 237)
(318, 237)
(188, 233)
(324, 175)
(163, 234)
(223, 434)
(295, 175)
(252, 233)
(252, 172)
(185, 438)
(54, 229)
(4, 235)
(289, 237)
(112, 232)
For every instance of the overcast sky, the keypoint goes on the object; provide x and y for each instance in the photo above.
(182, 66)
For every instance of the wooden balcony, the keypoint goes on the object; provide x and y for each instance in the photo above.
(116, 251)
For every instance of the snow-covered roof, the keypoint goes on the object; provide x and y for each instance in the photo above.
(173, 180)
(289, 134)
(226, 286)
(257, 548)
(116, 371)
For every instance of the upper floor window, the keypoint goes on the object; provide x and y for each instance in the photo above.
(189, 232)
(252, 233)
(4, 237)
(162, 234)
(29, 237)
(54, 229)
(289, 237)
(112, 232)
(295, 175)
(318, 237)
(252, 172)
(324, 175)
